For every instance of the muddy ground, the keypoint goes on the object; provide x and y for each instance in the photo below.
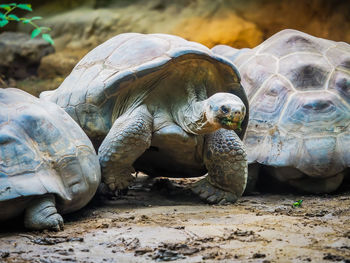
(162, 221)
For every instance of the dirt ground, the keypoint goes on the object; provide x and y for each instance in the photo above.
(162, 221)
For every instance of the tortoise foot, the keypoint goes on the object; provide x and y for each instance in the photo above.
(118, 181)
(42, 214)
(104, 190)
(211, 194)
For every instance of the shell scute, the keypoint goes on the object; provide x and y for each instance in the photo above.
(340, 84)
(69, 83)
(314, 113)
(340, 58)
(258, 70)
(150, 66)
(283, 150)
(17, 154)
(118, 81)
(102, 52)
(343, 144)
(35, 121)
(137, 51)
(305, 71)
(227, 52)
(91, 119)
(269, 102)
(95, 93)
(287, 42)
(86, 78)
(253, 141)
(320, 152)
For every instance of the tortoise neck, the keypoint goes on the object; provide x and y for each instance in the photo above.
(195, 119)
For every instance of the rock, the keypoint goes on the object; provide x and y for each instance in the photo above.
(21, 55)
(239, 23)
(3, 84)
(59, 64)
(228, 29)
(79, 25)
(85, 27)
(35, 86)
(321, 18)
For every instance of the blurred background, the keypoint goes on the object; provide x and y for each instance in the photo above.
(78, 26)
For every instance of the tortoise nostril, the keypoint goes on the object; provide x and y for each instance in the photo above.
(224, 109)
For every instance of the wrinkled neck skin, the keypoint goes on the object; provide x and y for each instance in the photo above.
(193, 119)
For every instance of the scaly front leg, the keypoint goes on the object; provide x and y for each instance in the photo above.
(127, 140)
(226, 161)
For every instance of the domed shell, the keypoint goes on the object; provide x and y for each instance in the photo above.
(124, 63)
(42, 151)
(298, 88)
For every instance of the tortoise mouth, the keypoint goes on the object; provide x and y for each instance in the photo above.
(231, 123)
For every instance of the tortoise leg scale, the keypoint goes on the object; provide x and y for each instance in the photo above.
(226, 161)
(42, 214)
(128, 138)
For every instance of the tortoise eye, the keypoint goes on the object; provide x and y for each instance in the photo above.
(224, 109)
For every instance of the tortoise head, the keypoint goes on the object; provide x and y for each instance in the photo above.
(225, 110)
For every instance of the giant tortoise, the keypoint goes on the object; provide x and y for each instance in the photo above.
(164, 106)
(298, 87)
(48, 165)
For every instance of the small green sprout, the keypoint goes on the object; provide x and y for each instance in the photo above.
(298, 203)
(6, 17)
(229, 122)
(239, 126)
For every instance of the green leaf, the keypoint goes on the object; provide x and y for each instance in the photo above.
(45, 28)
(27, 7)
(48, 38)
(35, 18)
(6, 7)
(25, 20)
(3, 23)
(35, 32)
(239, 126)
(14, 17)
(2, 16)
(12, 4)
(298, 203)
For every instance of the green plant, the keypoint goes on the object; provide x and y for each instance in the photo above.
(298, 203)
(8, 16)
(229, 122)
